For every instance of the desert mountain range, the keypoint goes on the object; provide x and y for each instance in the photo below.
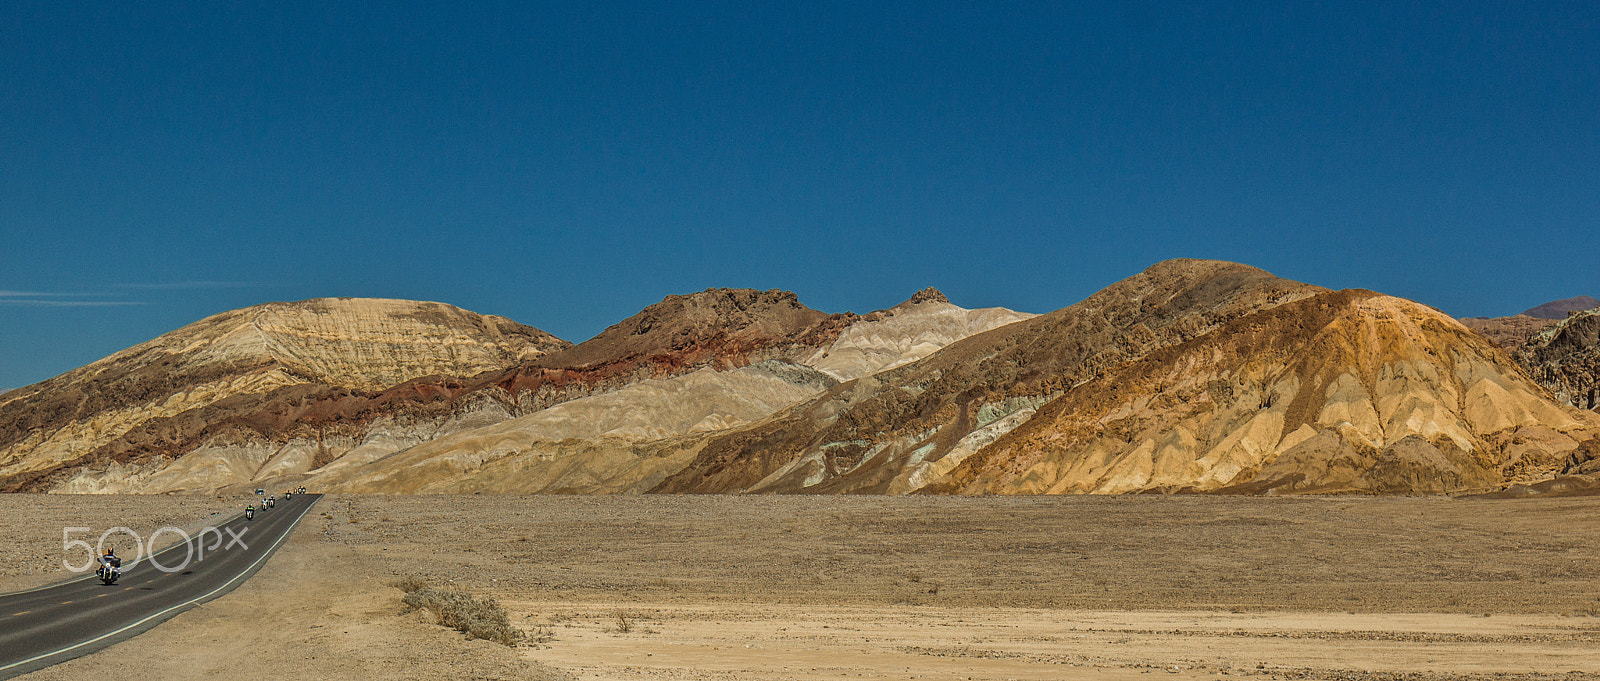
(1192, 376)
(288, 389)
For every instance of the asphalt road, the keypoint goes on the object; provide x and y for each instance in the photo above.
(52, 624)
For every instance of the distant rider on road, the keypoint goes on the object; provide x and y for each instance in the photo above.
(110, 560)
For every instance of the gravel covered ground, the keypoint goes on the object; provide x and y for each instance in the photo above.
(718, 587)
(31, 529)
(1354, 554)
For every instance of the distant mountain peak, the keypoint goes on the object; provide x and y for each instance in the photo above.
(741, 295)
(1559, 309)
(1201, 267)
(711, 323)
(730, 309)
(929, 294)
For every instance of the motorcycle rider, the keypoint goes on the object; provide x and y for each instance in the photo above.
(109, 561)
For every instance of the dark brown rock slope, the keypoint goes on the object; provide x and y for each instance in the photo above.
(1510, 333)
(1565, 358)
(1558, 352)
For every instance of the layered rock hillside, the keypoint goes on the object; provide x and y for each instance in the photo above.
(1513, 332)
(1192, 376)
(1557, 348)
(1347, 391)
(1510, 333)
(1565, 358)
(345, 344)
(885, 433)
(620, 442)
(629, 439)
(296, 424)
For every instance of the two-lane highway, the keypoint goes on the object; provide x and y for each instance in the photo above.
(52, 624)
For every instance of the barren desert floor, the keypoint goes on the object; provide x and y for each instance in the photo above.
(723, 587)
(31, 529)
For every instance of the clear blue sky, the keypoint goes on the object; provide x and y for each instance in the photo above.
(566, 165)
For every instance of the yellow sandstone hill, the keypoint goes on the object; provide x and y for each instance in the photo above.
(1346, 391)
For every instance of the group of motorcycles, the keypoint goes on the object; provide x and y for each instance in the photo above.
(111, 566)
(269, 501)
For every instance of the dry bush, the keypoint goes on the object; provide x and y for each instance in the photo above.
(624, 622)
(541, 634)
(476, 617)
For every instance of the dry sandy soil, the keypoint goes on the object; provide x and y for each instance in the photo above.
(722, 587)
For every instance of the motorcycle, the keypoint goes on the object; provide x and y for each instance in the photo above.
(249, 513)
(109, 572)
(271, 501)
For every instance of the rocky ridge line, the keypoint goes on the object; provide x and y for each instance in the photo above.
(297, 427)
(883, 433)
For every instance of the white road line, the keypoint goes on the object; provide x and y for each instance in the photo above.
(265, 555)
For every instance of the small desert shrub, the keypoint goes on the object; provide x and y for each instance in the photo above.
(476, 617)
(624, 622)
(542, 633)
